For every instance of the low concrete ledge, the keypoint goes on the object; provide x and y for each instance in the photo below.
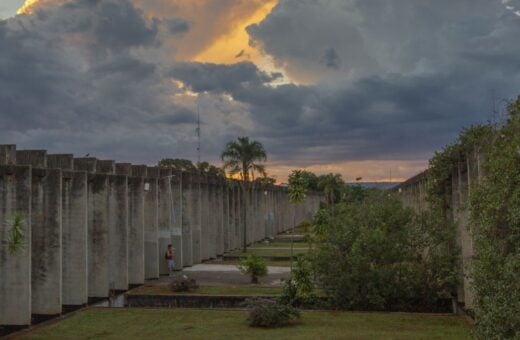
(186, 301)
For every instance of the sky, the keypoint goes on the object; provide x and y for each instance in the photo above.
(363, 88)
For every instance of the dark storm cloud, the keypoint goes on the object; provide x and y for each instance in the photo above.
(77, 78)
(382, 79)
(176, 26)
(331, 58)
(202, 77)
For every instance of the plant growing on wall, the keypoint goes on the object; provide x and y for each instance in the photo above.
(15, 235)
(495, 208)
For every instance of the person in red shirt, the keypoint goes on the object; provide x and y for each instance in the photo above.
(168, 256)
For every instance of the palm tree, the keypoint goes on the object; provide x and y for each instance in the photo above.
(332, 187)
(243, 157)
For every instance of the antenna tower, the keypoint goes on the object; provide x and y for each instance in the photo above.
(198, 130)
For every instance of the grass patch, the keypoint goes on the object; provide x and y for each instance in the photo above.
(248, 290)
(136, 323)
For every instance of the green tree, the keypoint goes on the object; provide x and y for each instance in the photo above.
(243, 157)
(297, 195)
(332, 186)
(178, 164)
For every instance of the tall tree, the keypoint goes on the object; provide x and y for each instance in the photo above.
(243, 157)
(332, 186)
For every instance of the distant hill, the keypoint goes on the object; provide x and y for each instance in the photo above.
(377, 185)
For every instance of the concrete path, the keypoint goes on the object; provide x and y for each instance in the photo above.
(231, 268)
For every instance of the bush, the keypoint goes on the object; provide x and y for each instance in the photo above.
(495, 203)
(253, 265)
(299, 288)
(269, 313)
(183, 284)
(375, 254)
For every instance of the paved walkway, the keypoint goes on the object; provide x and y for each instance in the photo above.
(230, 268)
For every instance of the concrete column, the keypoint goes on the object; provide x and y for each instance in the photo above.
(165, 217)
(204, 218)
(196, 219)
(135, 220)
(74, 220)
(213, 217)
(151, 224)
(260, 216)
(177, 209)
(239, 228)
(117, 225)
(15, 267)
(46, 241)
(219, 204)
(46, 250)
(7, 154)
(186, 219)
(97, 237)
(230, 209)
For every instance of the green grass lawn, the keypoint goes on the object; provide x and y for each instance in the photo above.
(246, 290)
(136, 323)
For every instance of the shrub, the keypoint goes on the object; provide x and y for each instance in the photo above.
(375, 254)
(299, 288)
(269, 313)
(183, 284)
(253, 265)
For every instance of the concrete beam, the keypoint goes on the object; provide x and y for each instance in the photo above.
(15, 268)
(35, 158)
(60, 161)
(7, 154)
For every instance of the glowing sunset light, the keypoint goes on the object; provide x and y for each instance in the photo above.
(234, 46)
(27, 7)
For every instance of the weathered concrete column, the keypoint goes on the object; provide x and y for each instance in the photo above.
(196, 219)
(117, 225)
(219, 206)
(177, 207)
(151, 224)
(186, 219)
(46, 241)
(270, 212)
(46, 272)
(204, 217)
(97, 240)
(136, 193)
(74, 221)
(213, 218)
(165, 217)
(15, 267)
(239, 219)
(230, 209)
